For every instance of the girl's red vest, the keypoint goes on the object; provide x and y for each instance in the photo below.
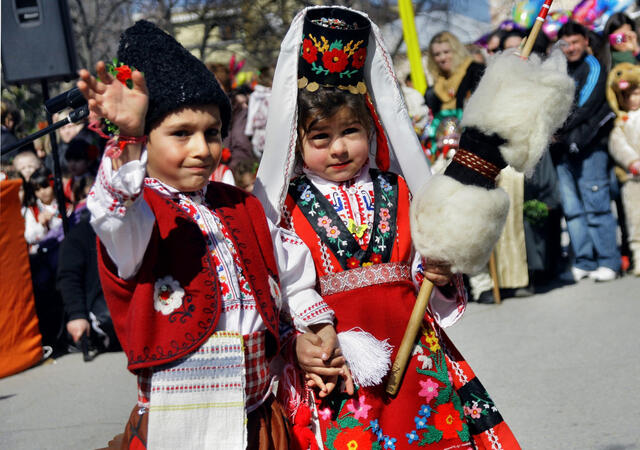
(177, 248)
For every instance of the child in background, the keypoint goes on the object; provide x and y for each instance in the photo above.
(355, 220)
(194, 275)
(78, 158)
(26, 162)
(245, 174)
(40, 216)
(624, 145)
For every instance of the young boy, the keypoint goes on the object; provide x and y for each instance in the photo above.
(192, 271)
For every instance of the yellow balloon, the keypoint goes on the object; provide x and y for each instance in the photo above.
(413, 46)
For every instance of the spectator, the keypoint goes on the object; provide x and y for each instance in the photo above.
(581, 162)
(455, 73)
(85, 308)
(237, 142)
(10, 120)
(416, 107)
(78, 156)
(26, 163)
(42, 224)
(512, 39)
(245, 175)
(257, 111)
(623, 87)
(620, 30)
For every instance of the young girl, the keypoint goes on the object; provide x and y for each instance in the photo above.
(41, 216)
(355, 219)
(624, 145)
(194, 275)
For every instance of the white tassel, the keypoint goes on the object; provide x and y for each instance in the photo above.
(369, 358)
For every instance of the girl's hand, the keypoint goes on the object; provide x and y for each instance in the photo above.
(320, 356)
(438, 272)
(44, 217)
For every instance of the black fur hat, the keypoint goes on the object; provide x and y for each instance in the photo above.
(175, 78)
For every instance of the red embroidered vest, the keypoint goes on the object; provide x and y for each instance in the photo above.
(177, 248)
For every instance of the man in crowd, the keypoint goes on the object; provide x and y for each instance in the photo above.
(582, 163)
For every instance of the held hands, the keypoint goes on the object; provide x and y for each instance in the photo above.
(319, 355)
(113, 100)
(438, 272)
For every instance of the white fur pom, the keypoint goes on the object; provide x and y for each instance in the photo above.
(458, 223)
(524, 102)
(369, 358)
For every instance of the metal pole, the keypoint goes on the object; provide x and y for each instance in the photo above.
(57, 171)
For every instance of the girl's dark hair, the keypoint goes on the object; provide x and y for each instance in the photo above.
(616, 21)
(41, 178)
(325, 102)
(515, 32)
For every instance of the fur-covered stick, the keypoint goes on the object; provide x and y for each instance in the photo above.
(509, 120)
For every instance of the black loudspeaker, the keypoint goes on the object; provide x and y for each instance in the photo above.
(37, 41)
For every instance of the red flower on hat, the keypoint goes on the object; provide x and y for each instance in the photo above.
(335, 60)
(123, 74)
(309, 51)
(359, 57)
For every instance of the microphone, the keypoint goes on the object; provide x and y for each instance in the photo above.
(71, 99)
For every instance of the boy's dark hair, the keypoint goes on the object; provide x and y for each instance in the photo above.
(572, 28)
(616, 21)
(325, 102)
(78, 150)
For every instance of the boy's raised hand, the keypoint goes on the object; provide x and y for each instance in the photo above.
(113, 100)
(319, 355)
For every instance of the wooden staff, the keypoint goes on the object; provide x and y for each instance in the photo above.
(404, 352)
(420, 307)
(537, 26)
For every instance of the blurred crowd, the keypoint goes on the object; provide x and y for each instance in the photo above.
(586, 188)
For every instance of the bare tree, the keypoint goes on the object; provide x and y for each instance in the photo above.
(97, 25)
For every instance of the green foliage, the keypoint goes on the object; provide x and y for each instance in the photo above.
(535, 212)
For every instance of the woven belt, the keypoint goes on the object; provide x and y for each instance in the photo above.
(364, 276)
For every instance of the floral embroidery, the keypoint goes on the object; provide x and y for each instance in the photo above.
(384, 214)
(429, 389)
(332, 232)
(324, 221)
(335, 56)
(350, 433)
(359, 57)
(376, 258)
(309, 51)
(353, 262)
(359, 408)
(383, 226)
(167, 295)
(479, 407)
(325, 414)
(448, 420)
(335, 60)
(412, 437)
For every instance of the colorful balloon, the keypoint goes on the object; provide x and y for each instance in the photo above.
(524, 13)
(554, 22)
(595, 13)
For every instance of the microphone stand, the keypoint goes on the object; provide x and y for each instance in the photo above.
(75, 116)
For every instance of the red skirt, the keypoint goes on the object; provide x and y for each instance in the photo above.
(440, 404)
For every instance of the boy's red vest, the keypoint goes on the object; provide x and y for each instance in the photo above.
(177, 248)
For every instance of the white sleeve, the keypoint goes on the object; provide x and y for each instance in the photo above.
(227, 178)
(33, 230)
(298, 280)
(119, 214)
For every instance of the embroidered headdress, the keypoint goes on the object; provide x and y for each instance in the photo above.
(334, 50)
(174, 77)
(341, 48)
